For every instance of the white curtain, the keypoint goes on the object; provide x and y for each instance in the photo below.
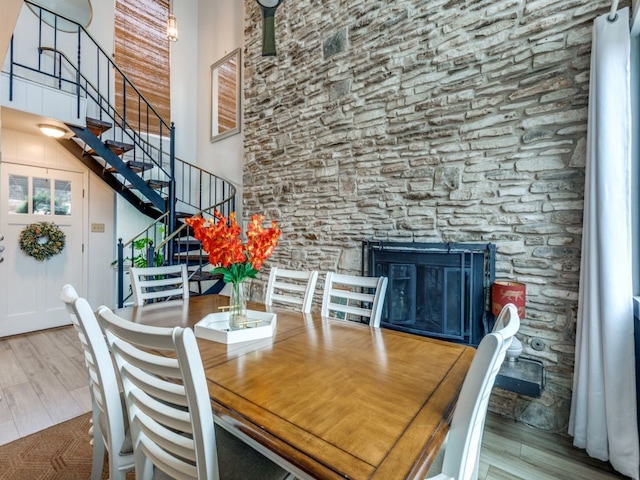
(603, 407)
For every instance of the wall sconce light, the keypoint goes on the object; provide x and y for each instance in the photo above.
(502, 293)
(268, 26)
(52, 130)
(172, 25)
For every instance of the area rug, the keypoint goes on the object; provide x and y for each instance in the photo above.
(61, 452)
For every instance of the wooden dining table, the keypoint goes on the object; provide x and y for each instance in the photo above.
(327, 398)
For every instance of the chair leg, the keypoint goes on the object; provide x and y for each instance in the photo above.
(144, 468)
(98, 456)
(97, 442)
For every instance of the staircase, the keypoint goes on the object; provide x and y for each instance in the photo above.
(135, 158)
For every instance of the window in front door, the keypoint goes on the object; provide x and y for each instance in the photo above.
(39, 196)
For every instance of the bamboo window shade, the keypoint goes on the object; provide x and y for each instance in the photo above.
(142, 53)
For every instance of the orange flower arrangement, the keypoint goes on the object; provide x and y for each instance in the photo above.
(221, 239)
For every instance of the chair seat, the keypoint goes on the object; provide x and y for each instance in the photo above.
(238, 461)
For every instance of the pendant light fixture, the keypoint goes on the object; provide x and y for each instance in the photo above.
(172, 24)
(268, 26)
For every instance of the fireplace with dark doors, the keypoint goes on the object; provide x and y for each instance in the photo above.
(439, 290)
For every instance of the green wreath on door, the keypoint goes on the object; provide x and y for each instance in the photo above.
(42, 240)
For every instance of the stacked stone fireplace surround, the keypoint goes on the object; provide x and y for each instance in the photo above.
(430, 121)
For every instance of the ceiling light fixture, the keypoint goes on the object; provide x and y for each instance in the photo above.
(52, 130)
(172, 24)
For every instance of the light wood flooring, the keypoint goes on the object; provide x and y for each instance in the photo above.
(43, 382)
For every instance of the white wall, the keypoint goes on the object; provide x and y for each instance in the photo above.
(99, 247)
(220, 31)
(184, 82)
(10, 11)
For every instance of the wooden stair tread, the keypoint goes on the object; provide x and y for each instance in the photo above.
(152, 183)
(190, 257)
(155, 183)
(202, 276)
(186, 242)
(97, 127)
(135, 166)
(118, 147)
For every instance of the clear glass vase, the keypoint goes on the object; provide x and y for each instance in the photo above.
(237, 306)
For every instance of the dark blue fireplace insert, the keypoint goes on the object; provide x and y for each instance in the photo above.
(439, 290)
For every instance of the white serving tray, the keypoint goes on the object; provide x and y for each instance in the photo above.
(215, 327)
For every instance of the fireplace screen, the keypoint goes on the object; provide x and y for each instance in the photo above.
(436, 290)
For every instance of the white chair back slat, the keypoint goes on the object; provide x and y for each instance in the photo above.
(349, 310)
(152, 283)
(292, 287)
(287, 299)
(354, 297)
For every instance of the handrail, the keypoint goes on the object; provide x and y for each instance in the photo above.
(144, 144)
(105, 55)
(147, 115)
(182, 227)
(179, 229)
(146, 229)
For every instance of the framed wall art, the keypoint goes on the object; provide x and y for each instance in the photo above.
(225, 96)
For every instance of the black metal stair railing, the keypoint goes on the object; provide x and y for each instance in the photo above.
(153, 247)
(136, 158)
(92, 76)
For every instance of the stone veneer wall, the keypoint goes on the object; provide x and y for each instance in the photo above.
(430, 121)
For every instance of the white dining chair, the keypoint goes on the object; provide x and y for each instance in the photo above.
(291, 287)
(159, 283)
(351, 297)
(110, 424)
(460, 454)
(170, 409)
(68, 295)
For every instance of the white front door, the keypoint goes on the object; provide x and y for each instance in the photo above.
(30, 289)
